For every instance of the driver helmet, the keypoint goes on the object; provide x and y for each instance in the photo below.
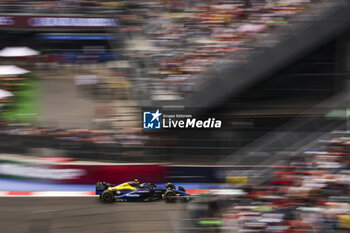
(136, 181)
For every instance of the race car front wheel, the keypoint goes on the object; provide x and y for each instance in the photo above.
(107, 196)
(170, 196)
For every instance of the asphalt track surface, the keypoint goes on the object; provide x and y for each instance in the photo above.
(87, 214)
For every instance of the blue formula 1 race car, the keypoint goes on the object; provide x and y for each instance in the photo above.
(134, 191)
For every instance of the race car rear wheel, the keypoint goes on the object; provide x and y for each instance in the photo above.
(107, 196)
(170, 196)
(170, 186)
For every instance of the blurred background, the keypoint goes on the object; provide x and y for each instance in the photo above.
(76, 76)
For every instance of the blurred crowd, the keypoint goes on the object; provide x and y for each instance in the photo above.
(127, 145)
(171, 44)
(307, 196)
(127, 137)
(183, 39)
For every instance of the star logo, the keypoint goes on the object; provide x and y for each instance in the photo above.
(152, 120)
(156, 115)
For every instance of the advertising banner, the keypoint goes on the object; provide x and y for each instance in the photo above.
(57, 22)
(69, 173)
(90, 174)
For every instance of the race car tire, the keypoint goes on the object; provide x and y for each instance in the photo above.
(170, 196)
(170, 186)
(107, 196)
(183, 198)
